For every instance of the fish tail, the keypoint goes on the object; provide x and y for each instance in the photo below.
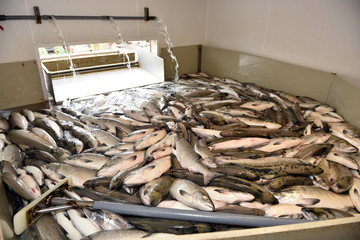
(208, 177)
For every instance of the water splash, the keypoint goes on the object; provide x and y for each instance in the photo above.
(121, 40)
(164, 32)
(62, 39)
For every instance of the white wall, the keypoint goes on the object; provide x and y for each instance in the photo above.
(186, 21)
(320, 34)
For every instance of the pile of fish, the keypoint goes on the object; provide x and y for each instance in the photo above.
(203, 143)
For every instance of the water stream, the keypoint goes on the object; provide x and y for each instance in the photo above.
(121, 40)
(62, 39)
(164, 32)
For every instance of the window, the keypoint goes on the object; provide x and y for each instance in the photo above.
(88, 69)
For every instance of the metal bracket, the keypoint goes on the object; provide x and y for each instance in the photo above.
(146, 14)
(37, 15)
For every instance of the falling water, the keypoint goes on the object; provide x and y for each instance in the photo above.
(121, 40)
(62, 39)
(164, 32)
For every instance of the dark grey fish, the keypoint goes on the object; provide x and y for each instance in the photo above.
(46, 228)
(107, 220)
(324, 213)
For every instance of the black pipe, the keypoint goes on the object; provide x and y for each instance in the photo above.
(62, 17)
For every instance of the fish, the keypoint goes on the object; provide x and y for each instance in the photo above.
(13, 154)
(136, 115)
(258, 132)
(148, 172)
(7, 166)
(82, 223)
(189, 159)
(214, 117)
(87, 160)
(271, 167)
(165, 142)
(323, 179)
(150, 139)
(50, 127)
(341, 145)
(346, 132)
(152, 193)
(240, 143)
(107, 220)
(105, 138)
(354, 193)
(18, 121)
(97, 181)
(191, 195)
(315, 197)
(162, 152)
(118, 179)
(283, 210)
(310, 150)
(239, 112)
(233, 183)
(175, 205)
(4, 125)
(119, 148)
(101, 193)
(59, 171)
(28, 114)
(227, 195)
(71, 143)
(83, 135)
(60, 153)
(280, 143)
(121, 162)
(329, 117)
(45, 228)
(316, 138)
(45, 135)
(169, 225)
(287, 181)
(258, 105)
(29, 181)
(150, 109)
(19, 186)
(207, 157)
(41, 155)
(259, 122)
(343, 159)
(30, 139)
(128, 234)
(133, 137)
(63, 218)
(206, 133)
(341, 179)
(323, 213)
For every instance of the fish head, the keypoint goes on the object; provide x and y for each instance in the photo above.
(203, 201)
(52, 171)
(59, 152)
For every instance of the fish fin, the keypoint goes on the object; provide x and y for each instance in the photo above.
(308, 201)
